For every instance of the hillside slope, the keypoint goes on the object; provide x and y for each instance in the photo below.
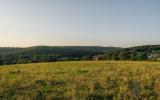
(147, 52)
(72, 53)
(49, 53)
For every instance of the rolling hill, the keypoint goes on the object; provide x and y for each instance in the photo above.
(49, 53)
(75, 53)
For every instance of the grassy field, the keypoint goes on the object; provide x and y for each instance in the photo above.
(91, 80)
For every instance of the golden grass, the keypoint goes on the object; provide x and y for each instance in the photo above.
(81, 80)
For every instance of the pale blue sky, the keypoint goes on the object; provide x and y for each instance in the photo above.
(79, 22)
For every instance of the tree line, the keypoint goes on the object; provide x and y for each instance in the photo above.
(53, 54)
(123, 55)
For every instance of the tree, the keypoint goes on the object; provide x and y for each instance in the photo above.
(141, 56)
(123, 55)
(133, 56)
(108, 55)
(114, 56)
(0, 60)
(86, 57)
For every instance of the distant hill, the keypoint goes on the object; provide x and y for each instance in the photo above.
(57, 50)
(152, 51)
(49, 53)
(8, 50)
(68, 53)
(146, 52)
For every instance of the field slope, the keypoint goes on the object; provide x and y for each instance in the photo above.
(81, 80)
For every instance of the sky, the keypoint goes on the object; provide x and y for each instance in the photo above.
(120, 23)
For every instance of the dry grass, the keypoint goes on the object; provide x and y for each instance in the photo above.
(81, 80)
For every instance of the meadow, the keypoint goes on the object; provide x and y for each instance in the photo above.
(81, 80)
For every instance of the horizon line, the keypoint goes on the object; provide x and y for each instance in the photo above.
(77, 46)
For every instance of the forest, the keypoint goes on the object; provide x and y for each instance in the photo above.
(76, 53)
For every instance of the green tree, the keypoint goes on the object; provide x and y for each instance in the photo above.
(108, 55)
(141, 56)
(114, 56)
(123, 55)
(133, 56)
(87, 57)
(0, 60)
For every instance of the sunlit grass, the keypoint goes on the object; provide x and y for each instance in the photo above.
(81, 80)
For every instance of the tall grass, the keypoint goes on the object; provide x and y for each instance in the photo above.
(81, 80)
